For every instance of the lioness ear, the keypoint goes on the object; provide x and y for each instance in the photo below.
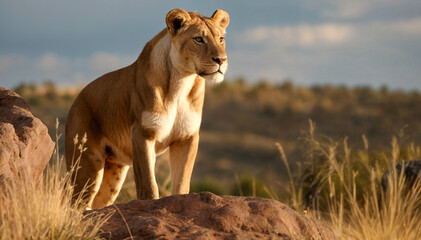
(176, 19)
(221, 18)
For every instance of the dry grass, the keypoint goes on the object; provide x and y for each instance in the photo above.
(391, 214)
(348, 195)
(46, 212)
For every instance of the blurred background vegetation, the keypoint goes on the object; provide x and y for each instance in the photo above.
(242, 122)
(321, 150)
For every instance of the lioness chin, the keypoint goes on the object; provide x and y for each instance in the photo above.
(137, 112)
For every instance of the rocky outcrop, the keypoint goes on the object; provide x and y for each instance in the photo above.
(25, 146)
(208, 216)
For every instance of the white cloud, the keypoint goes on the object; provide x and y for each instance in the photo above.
(50, 63)
(346, 9)
(330, 35)
(103, 61)
(64, 70)
(302, 35)
(79, 79)
(408, 27)
(10, 61)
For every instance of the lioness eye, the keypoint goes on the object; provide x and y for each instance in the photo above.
(198, 39)
(221, 40)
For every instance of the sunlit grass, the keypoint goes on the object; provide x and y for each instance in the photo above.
(45, 212)
(346, 192)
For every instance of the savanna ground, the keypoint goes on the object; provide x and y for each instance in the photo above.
(258, 140)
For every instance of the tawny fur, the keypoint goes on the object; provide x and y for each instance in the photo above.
(135, 113)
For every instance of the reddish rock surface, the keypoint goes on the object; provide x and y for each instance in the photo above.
(208, 216)
(25, 146)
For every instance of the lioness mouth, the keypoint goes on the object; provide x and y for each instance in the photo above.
(207, 74)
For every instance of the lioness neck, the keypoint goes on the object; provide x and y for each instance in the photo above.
(160, 71)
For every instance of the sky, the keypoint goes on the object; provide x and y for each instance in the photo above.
(309, 42)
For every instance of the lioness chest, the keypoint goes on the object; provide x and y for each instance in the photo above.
(179, 118)
(178, 121)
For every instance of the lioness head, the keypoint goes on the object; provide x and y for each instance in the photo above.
(198, 44)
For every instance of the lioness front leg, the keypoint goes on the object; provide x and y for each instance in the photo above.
(144, 165)
(182, 156)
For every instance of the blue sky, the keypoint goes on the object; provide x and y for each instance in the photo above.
(339, 42)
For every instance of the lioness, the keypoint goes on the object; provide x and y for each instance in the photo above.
(137, 112)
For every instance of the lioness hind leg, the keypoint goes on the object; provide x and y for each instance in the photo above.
(112, 181)
(87, 178)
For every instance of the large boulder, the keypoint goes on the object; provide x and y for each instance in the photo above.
(208, 216)
(25, 146)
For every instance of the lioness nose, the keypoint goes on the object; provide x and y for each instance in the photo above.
(219, 60)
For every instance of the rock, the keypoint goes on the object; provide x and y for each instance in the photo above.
(411, 172)
(208, 216)
(25, 146)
